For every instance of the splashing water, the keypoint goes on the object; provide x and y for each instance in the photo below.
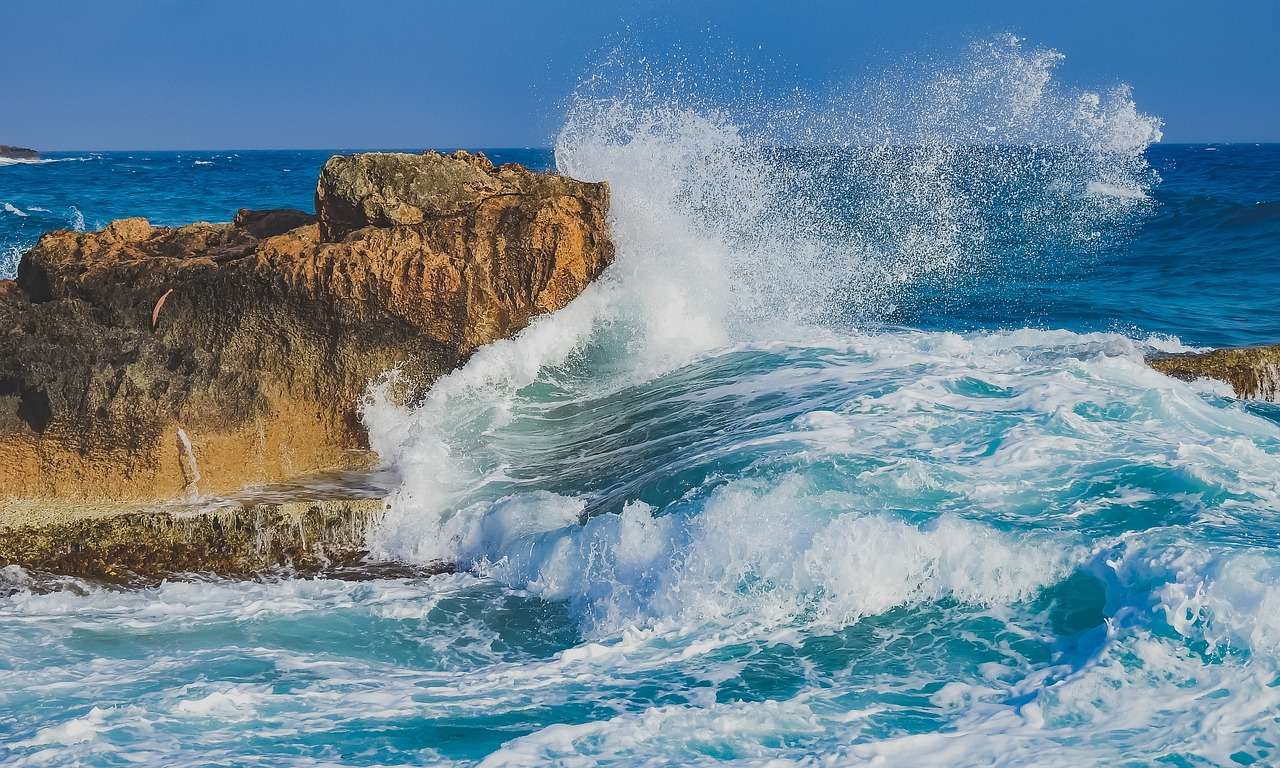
(703, 454)
(725, 507)
(724, 240)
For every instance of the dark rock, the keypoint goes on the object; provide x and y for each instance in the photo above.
(264, 224)
(17, 153)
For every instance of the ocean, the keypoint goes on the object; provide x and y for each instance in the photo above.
(850, 458)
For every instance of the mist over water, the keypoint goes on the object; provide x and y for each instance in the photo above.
(758, 496)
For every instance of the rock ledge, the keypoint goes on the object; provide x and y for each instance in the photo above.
(1252, 372)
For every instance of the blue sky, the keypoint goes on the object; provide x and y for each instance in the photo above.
(156, 74)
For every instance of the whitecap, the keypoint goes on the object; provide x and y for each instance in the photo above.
(44, 160)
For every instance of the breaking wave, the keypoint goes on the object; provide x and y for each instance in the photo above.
(45, 160)
(723, 442)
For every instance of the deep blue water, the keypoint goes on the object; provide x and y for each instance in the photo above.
(872, 469)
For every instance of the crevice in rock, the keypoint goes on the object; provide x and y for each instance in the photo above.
(34, 407)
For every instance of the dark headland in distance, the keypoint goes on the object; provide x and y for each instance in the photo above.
(18, 153)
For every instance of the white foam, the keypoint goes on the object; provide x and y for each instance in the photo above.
(761, 552)
(43, 160)
(11, 208)
(10, 256)
(236, 703)
(721, 243)
(75, 730)
(1104, 189)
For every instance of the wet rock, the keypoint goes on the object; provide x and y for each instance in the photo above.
(131, 546)
(145, 363)
(1252, 372)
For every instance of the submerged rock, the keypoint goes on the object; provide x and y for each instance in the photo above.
(1252, 372)
(142, 363)
(17, 153)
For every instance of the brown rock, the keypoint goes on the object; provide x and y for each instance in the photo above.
(138, 546)
(1252, 372)
(265, 335)
(385, 189)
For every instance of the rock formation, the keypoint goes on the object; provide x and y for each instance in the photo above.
(1252, 372)
(17, 153)
(142, 363)
(132, 546)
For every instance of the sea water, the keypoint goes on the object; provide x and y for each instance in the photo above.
(850, 458)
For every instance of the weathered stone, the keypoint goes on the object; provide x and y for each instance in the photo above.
(143, 363)
(1252, 372)
(128, 545)
(385, 189)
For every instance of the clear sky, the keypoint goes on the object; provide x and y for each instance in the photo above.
(156, 74)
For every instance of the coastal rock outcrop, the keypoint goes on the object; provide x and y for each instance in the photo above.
(1252, 372)
(143, 363)
(17, 153)
(137, 546)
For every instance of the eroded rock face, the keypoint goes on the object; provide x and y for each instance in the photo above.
(142, 363)
(1252, 372)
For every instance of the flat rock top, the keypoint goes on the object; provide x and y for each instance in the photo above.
(386, 189)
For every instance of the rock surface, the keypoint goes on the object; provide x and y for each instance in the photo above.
(1252, 372)
(384, 189)
(131, 546)
(142, 363)
(17, 153)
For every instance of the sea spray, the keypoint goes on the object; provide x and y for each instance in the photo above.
(720, 445)
(10, 256)
(726, 238)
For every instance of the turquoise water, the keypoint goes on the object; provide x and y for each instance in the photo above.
(851, 458)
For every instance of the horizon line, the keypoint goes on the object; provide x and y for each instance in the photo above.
(479, 147)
